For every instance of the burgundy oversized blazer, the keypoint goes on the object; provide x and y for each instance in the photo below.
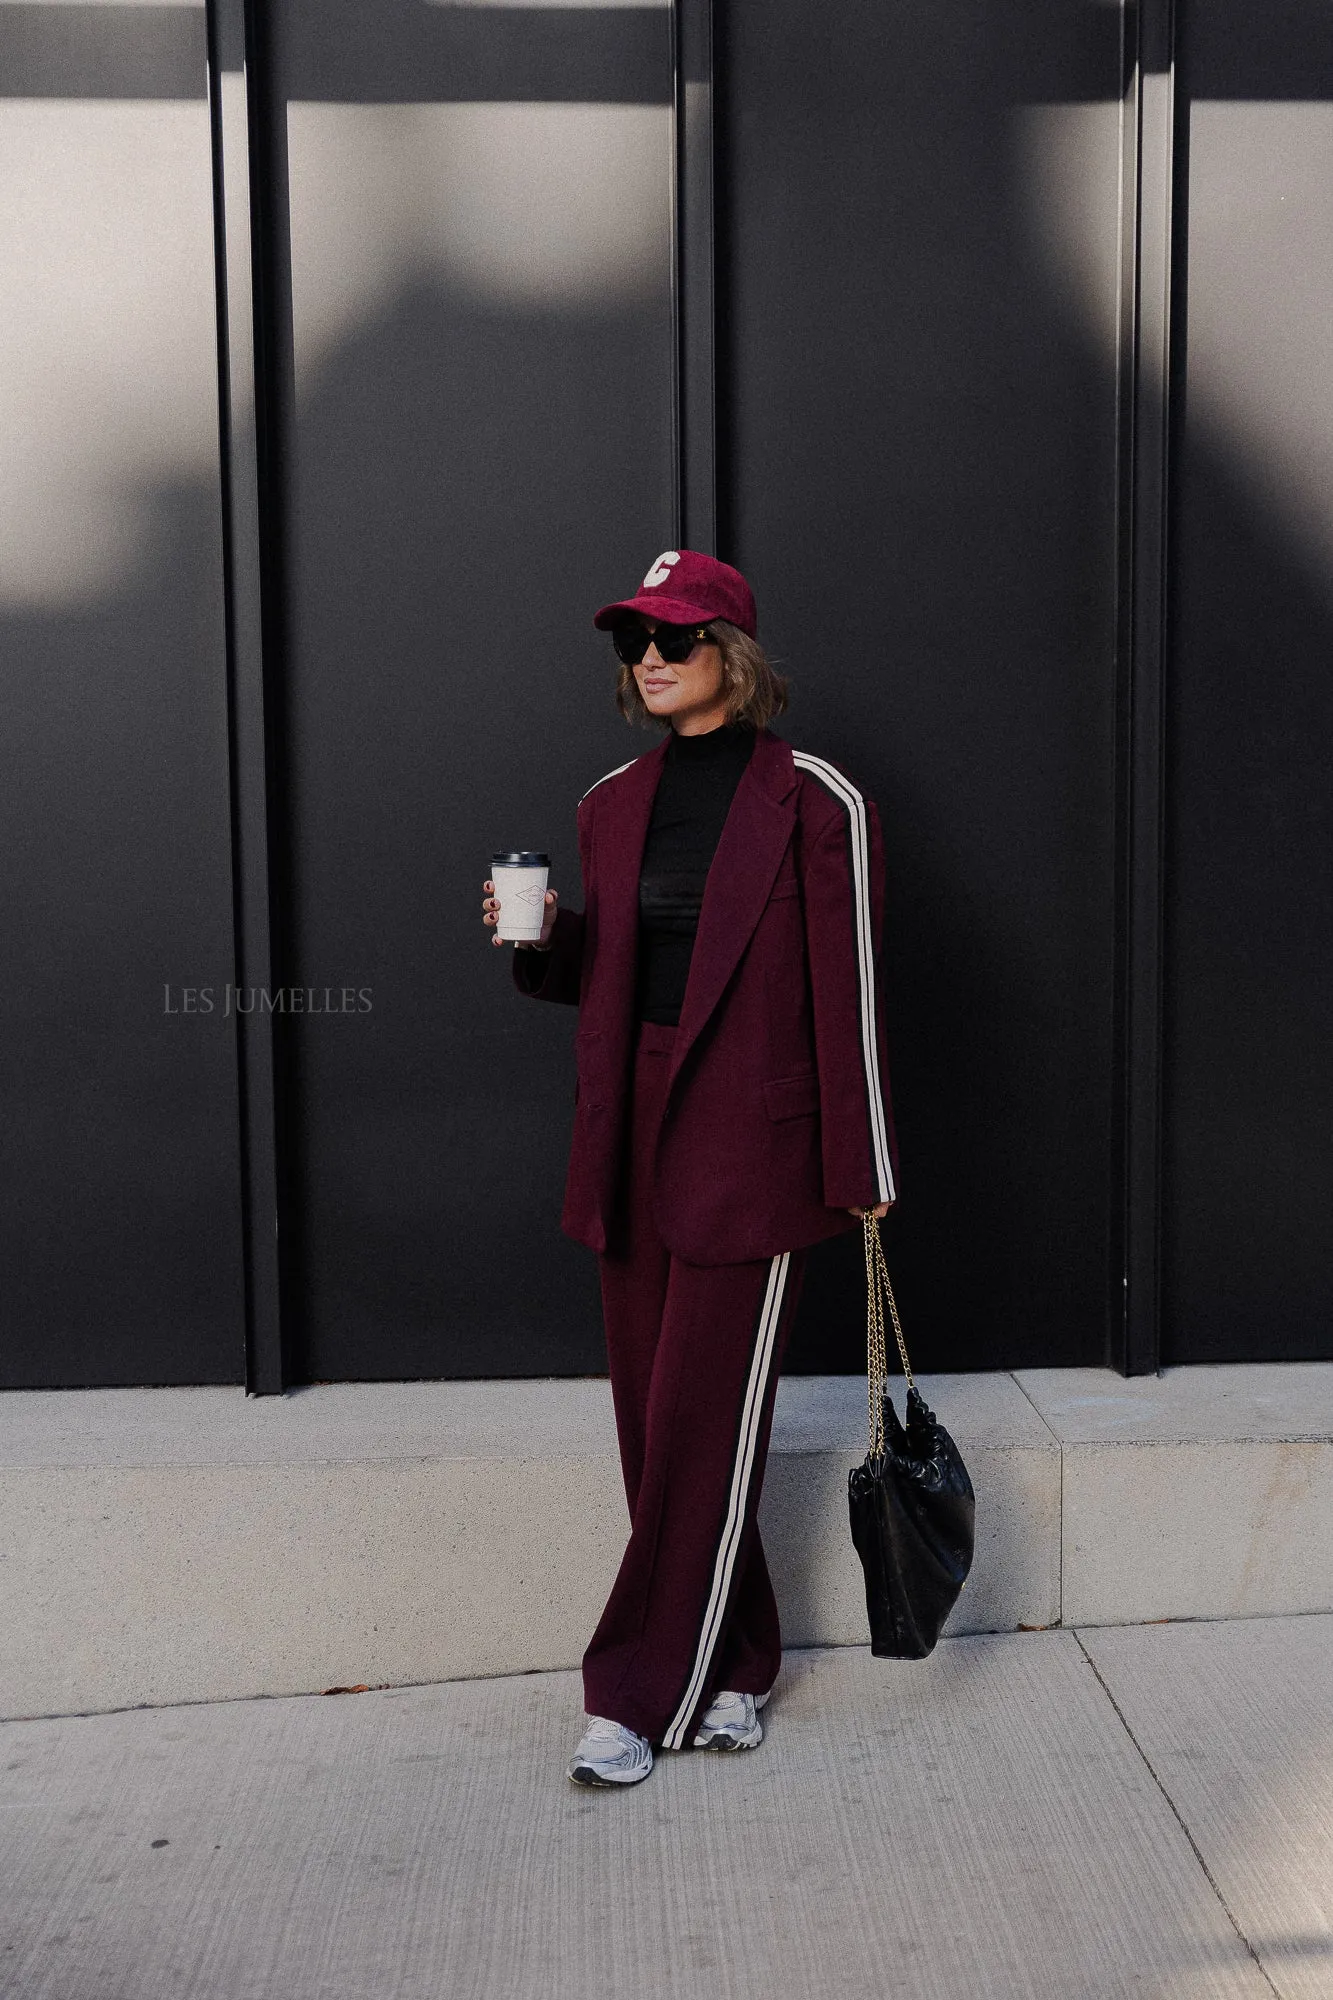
(777, 1118)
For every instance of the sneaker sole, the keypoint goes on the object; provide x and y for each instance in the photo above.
(591, 1779)
(722, 1741)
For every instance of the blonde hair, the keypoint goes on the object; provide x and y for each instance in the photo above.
(756, 692)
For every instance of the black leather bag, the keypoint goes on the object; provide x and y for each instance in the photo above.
(912, 1506)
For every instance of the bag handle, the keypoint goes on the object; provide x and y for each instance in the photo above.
(878, 1291)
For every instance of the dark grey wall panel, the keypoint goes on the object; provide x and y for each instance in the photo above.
(919, 454)
(480, 453)
(120, 1259)
(469, 390)
(1249, 1082)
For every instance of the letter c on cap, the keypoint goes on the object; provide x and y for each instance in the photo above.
(661, 569)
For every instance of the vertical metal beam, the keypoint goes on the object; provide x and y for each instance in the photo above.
(696, 449)
(1149, 241)
(233, 115)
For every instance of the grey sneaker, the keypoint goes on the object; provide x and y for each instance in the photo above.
(610, 1754)
(731, 1722)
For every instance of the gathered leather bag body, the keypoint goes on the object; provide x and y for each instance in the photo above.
(912, 1506)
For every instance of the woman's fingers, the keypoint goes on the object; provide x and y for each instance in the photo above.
(490, 911)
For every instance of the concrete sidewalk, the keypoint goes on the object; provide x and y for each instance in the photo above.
(1053, 1815)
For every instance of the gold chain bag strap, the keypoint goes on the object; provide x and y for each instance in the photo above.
(879, 1292)
(913, 1512)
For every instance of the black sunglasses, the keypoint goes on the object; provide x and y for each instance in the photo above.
(631, 639)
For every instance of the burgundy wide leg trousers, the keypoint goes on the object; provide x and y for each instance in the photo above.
(694, 1354)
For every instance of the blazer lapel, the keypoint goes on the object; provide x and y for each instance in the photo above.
(618, 858)
(754, 839)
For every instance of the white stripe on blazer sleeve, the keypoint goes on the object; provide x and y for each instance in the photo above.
(843, 871)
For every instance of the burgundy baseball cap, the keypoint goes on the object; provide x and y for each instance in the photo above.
(686, 588)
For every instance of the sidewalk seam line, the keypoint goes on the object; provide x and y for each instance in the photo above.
(1179, 1818)
(1041, 1414)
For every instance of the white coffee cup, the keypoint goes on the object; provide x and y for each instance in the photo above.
(520, 889)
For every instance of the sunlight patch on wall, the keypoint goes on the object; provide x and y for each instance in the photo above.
(530, 205)
(108, 380)
(199, 4)
(1068, 180)
(1259, 334)
(582, 4)
(108, 389)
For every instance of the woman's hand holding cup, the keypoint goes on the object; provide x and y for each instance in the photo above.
(490, 916)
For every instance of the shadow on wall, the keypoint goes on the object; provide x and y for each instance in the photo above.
(119, 1160)
(921, 448)
(919, 437)
(995, 431)
(471, 481)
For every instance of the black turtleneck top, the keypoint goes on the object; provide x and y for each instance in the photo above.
(698, 782)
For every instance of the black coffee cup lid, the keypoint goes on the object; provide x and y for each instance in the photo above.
(525, 859)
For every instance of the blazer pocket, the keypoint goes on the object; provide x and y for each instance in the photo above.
(793, 1096)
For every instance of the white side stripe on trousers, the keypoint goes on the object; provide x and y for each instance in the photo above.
(854, 805)
(737, 1499)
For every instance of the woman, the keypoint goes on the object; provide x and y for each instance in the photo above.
(731, 1109)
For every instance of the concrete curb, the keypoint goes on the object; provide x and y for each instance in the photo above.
(178, 1545)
